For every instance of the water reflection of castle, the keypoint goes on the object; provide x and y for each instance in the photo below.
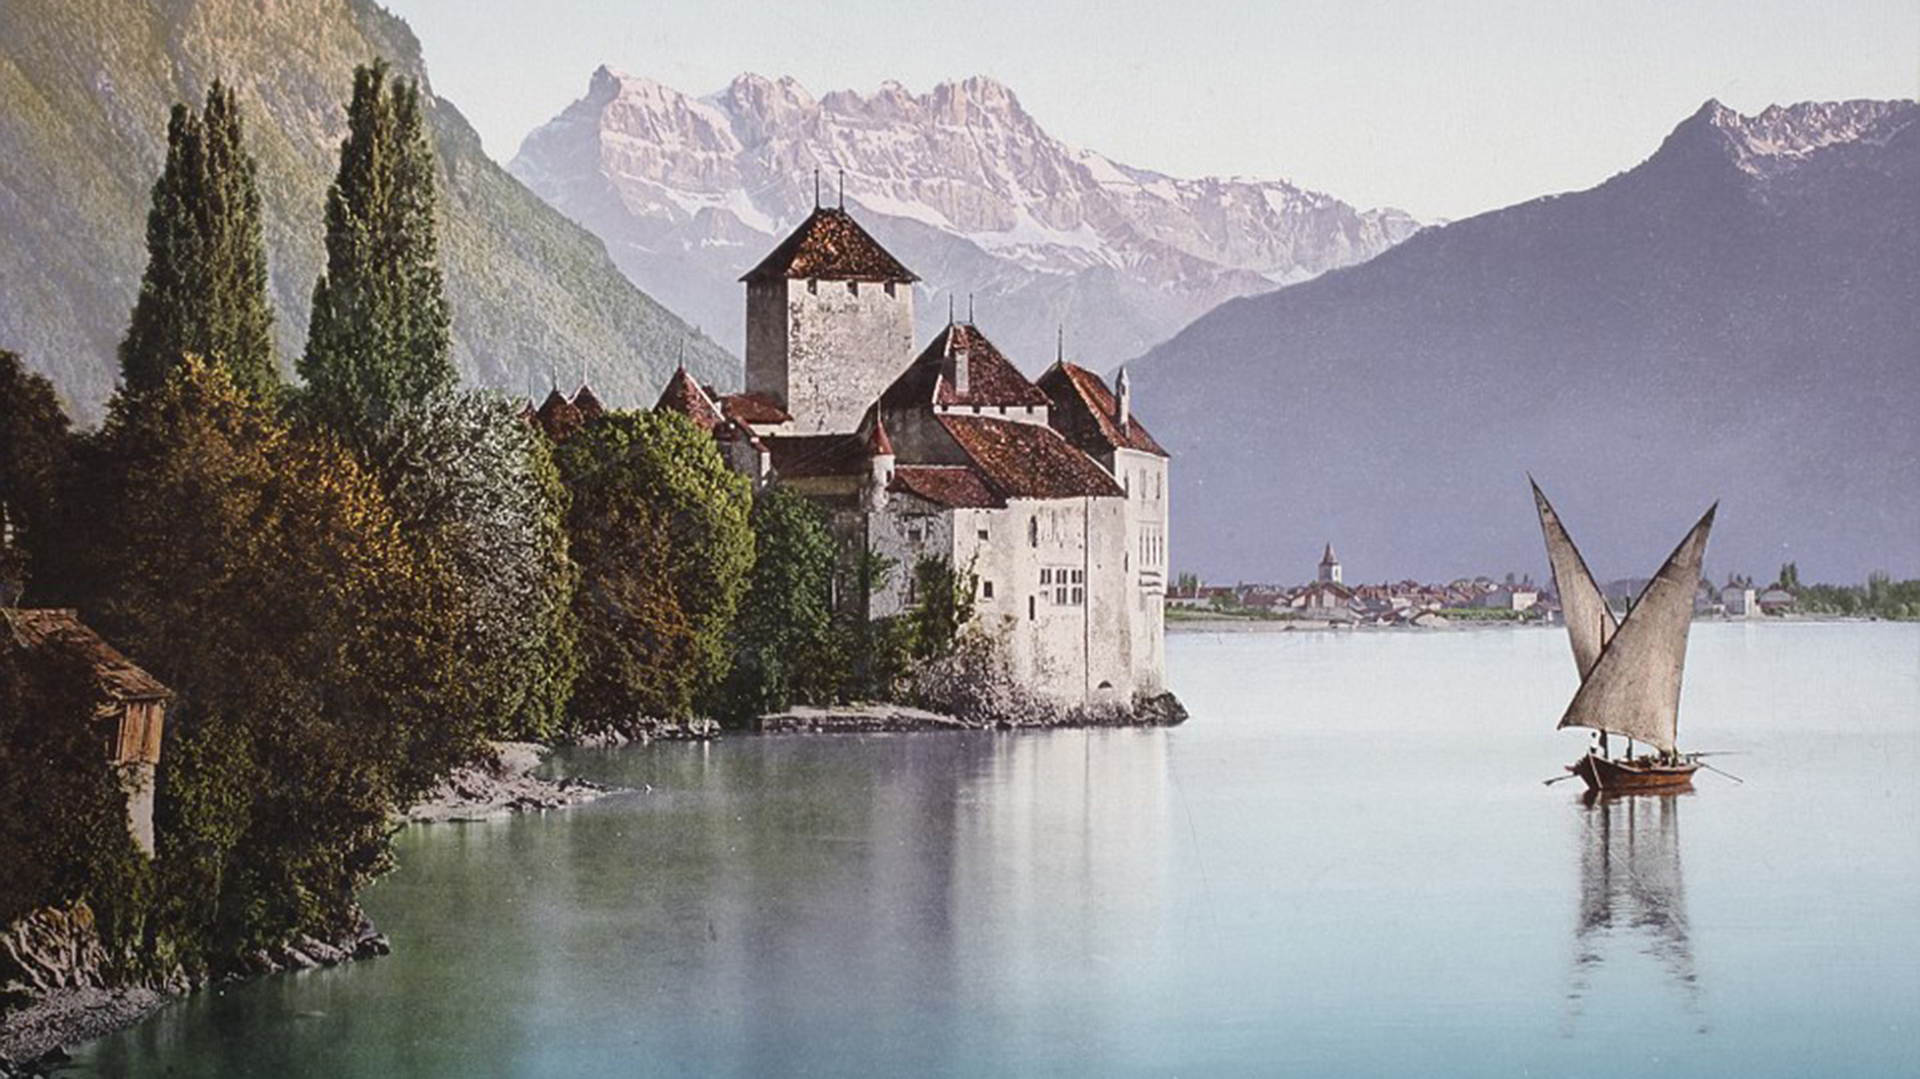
(1632, 897)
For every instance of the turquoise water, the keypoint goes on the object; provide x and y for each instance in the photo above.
(1345, 865)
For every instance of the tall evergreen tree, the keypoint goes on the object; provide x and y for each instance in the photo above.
(379, 336)
(205, 288)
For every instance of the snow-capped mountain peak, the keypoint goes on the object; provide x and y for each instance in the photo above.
(961, 181)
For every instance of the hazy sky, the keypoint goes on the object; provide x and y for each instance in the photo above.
(1443, 109)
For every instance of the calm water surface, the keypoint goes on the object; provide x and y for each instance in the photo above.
(1346, 864)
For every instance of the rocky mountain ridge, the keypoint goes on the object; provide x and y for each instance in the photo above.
(961, 182)
(1737, 317)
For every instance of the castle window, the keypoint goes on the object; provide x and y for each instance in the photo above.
(853, 288)
(1046, 575)
(1079, 596)
(813, 286)
(889, 288)
(986, 589)
(916, 532)
(1033, 531)
(983, 532)
(1029, 608)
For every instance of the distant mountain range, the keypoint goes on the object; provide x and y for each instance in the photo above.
(1738, 318)
(85, 86)
(961, 183)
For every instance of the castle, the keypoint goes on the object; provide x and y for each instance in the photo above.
(1051, 491)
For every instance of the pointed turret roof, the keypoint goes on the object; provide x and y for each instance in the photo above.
(1328, 559)
(878, 444)
(588, 403)
(683, 395)
(558, 417)
(830, 244)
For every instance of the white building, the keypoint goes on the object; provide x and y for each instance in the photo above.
(1050, 492)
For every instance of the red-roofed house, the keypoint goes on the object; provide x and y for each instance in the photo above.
(1052, 494)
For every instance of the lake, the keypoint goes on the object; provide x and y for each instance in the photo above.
(1346, 864)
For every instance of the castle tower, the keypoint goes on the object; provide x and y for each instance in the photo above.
(829, 323)
(1329, 568)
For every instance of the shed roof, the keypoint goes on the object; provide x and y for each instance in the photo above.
(117, 676)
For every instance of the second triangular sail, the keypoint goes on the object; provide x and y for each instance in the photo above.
(1633, 689)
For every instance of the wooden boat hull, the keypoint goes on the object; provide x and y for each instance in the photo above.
(1623, 777)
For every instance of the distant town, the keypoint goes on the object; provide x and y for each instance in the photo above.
(1328, 600)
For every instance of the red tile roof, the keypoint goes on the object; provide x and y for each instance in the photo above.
(683, 395)
(797, 457)
(992, 379)
(753, 408)
(558, 418)
(953, 486)
(832, 245)
(1085, 411)
(1027, 460)
(115, 675)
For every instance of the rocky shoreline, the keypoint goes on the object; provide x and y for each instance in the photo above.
(56, 961)
(1162, 710)
(55, 958)
(500, 787)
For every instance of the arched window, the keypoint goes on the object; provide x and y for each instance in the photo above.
(1033, 531)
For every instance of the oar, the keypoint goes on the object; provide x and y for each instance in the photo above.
(1729, 775)
(1555, 779)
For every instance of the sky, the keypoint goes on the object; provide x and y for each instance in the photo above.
(1443, 109)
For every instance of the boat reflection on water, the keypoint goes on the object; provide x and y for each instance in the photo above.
(1633, 900)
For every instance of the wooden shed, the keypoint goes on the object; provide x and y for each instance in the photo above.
(129, 712)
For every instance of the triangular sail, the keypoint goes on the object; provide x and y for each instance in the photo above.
(1590, 623)
(1634, 689)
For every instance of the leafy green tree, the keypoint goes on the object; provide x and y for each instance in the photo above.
(943, 603)
(36, 455)
(205, 287)
(378, 338)
(782, 634)
(261, 574)
(659, 528)
(474, 484)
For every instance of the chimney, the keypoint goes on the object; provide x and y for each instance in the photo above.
(1123, 406)
(960, 373)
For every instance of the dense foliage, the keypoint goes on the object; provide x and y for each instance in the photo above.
(260, 573)
(659, 528)
(1880, 597)
(205, 287)
(35, 462)
(782, 639)
(379, 334)
(478, 488)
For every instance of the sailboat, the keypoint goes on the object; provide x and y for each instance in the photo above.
(1629, 669)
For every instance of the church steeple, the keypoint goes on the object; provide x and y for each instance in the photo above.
(1329, 567)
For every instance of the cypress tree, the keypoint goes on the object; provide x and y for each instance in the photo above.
(378, 339)
(205, 288)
